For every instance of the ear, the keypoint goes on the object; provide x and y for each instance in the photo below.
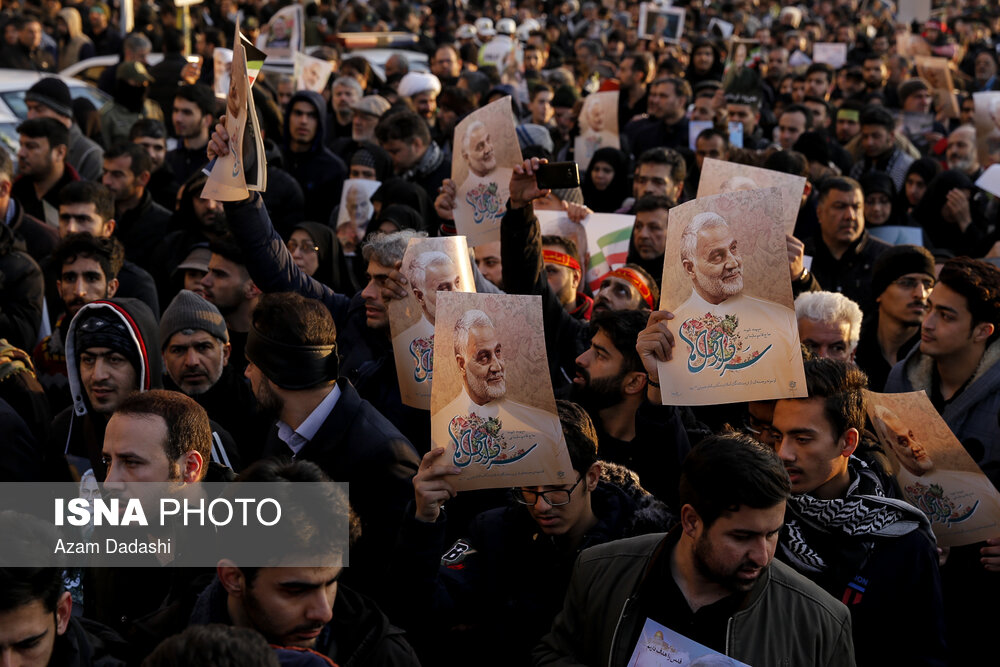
(109, 227)
(192, 466)
(849, 442)
(691, 522)
(688, 267)
(227, 349)
(231, 577)
(64, 610)
(112, 287)
(461, 363)
(419, 294)
(61, 151)
(143, 178)
(593, 476)
(5, 187)
(251, 290)
(575, 279)
(635, 383)
(808, 190)
(982, 332)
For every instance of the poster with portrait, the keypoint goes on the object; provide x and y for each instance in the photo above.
(492, 406)
(725, 279)
(737, 73)
(937, 73)
(659, 22)
(660, 646)
(719, 176)
(284, 34)
(598, 126)
(485, 154)
(987, 120)
(311, 73)
(833, 54)
(432, 266)
(222, 62)
(934, 471)
(908, 11)
(356, 207)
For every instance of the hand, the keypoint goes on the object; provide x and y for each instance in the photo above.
(576, 212)
(655, 343)
(392, 287)
(430, 488)
(523, 188)
(796, 250)
(191, 72)
(218, 143)
(991, 555)
(444, 204)
(956, 209)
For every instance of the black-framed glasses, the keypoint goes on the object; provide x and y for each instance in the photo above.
(913, 283)
(554, 497)
(306, 247)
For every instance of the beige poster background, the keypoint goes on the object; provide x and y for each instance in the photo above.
(987, 119)
(598, 127)
(412, 333)
(489, 137)
(227, 181)
(933, 469)
(719, 176)
(522, 427)
(937, 74)
(747, 346)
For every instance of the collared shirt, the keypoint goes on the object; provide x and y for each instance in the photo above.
(296, 439)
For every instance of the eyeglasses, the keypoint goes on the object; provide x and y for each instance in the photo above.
(913, 283)
(306, 247)
(554, 497)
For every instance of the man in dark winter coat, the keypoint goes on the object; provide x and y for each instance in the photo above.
(320, 173)
(141, 222)
(21, 292)
(38, 239)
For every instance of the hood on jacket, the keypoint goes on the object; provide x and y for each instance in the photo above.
(143, 330)
(73, 21)
(316, 100)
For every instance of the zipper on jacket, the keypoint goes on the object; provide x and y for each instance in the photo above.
(614, 636)
(729, 632)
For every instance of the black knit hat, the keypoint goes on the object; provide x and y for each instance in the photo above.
(565, 97)
(898, 261)
(53, 93)
(103, 327)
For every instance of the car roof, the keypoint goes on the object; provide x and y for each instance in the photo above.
(20, 79)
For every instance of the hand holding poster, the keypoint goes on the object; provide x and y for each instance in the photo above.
(933, 469)
(598, 127)
(719, 176)
(432, 266)
(725, 278)
(486, 152)
(492, 406)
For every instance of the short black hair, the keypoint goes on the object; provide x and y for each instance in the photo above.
(24, 538)
(227, 249)
(979, 283)
(653, 203)
(89, 192)
(292, 319)
(140, 160)
(668, 156)
(108, 252)
(827, 71)
(200, 95)
(841, 386)
(55, 132)
(838, 183)
(798, 108)
(147, 127)
(568, 244)
(681, 87)
(788, 162)
(402, 126)
(875, 114)
(723, 473)
(580, 434)
(623, 328)
(214, 645)
(188, 427)
(712, 133)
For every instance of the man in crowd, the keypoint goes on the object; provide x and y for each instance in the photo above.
(658, 171)
(829, 324)
(38, 238)
(152, 136)
(902, 279)
(141, 223)
(26, 52)
(563, 271)
(42, 168)
(229, 287)
(667, 124)
(649, 234)
(318, 171)
(129, 104)
(843, 253)
(794, 120)
(879, 146)
(635, 73)
(415, 157)
(192, 116)
(50, 98)
(877, 557)
(714, 575)
(345, 93)
(745, 108)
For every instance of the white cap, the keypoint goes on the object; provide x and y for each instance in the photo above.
(415, 83)
(525, 29)
(506, 26)
(484, 27)
(465, 31)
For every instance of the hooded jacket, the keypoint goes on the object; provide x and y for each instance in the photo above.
(320, 173)
(77, 46)
(21, 292)
(78, 433)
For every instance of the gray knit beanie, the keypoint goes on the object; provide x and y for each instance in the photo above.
(190, 311)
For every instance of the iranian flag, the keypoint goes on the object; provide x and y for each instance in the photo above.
(608, 235)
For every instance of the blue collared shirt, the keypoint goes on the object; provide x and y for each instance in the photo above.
(296, 439)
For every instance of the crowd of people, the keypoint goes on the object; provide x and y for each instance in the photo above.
(148, 333)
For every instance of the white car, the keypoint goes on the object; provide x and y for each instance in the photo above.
(14, 84)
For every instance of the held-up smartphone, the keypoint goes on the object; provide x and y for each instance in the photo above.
(558, 175)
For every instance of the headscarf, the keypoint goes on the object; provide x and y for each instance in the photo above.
(328, 271)
(610, 199)
(398, 191)
(926, 168)
(880, 182)
(403, 216)
(939, 233)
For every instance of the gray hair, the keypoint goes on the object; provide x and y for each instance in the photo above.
(417, 270)
(387, 249)
(830, 307)
(399, 59)
(474, 125)
(700, 222)
(137, 42)
(349, 82)
(471, 318)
